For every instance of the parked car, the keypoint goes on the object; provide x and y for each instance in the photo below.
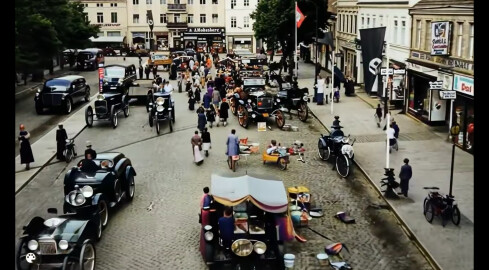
(190, 52)
(119, 77)
(89, 59)
(62, 93)
(294, 98)
(260, 223)
(87, 193)
(65, 242)
(182, 62)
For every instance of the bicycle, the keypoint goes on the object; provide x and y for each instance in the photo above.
(437, 204)
(70, 150)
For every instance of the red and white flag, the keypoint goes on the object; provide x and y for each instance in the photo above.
(299, 17)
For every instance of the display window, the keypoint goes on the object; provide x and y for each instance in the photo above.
(463, 111)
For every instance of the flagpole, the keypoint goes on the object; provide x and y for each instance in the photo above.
(295, 47)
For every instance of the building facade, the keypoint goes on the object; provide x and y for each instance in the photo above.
(178, 24)
(239, 25)
(346, 32)
(111, 16)
(442, 49)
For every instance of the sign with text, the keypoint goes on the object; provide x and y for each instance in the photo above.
(100, 78)
(206, 30)
(463, 84)
(400, 71)
(262, 126)
(448, 94)
(440, 38)
(436, 85)
(383, 71)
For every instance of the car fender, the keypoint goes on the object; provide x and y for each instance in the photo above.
(121, 162)
(322, 141)
(98, 197)
(130, 170)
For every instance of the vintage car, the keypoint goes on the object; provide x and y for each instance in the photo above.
(182, 62)
(161, 58)
(62, 242)
(190, 52)
(62, 93)
(262, 225)
(119, 77)
(161, 107)
(292, 97)
(87, 192)
(256, 105)
(89, 59)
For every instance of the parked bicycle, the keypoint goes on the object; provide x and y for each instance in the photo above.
(437, 204)
(70, 150)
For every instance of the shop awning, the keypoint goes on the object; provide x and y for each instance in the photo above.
(107, 39)
(242, 39)
(137, 34)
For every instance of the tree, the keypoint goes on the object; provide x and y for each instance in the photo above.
(275, 22)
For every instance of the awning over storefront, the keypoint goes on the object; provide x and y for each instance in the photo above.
(242, 39)
(138, 34)
(107, 39)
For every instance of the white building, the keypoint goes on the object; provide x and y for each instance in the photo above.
(239, 25)
(111, 16)
(346, 32)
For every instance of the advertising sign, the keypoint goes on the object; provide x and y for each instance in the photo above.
(440, 38)
(448, 94)
(100, 78)
(463, 84)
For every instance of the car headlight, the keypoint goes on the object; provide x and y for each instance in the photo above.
(100, 97)
(160, 108)
(87, 191)
(259, 247)
(305, 98)
(32, 245)
(63, 244)
(249, 100)
(278, 99)
(37, 94)
(75, 198)
(209, 236)
(63, 97)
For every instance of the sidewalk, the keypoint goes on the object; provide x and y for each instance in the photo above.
(21, 90)
(430, 157)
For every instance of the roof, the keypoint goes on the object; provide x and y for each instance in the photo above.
(267, 194)
(107, 155)
(444, 4)
(70, 77)
(107, 39)
(124, 65)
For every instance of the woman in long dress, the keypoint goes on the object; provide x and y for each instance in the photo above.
(26, 156)
(196, 142)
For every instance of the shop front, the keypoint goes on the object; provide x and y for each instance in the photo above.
(161, 41)
(463, 111)
(205, 39)
(348, 62)
(241, 42)
(397, 83)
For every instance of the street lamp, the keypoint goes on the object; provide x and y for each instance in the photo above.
(454, 131)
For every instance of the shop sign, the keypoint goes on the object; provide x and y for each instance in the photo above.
(106, 24)
(383, 71)
(440, 38)
(447, 80)
(463, 84)
(400, 71)
(100, 78)
(448, 94)
(437, 85)
(455, 63)
(205, 30)
(348, 44)
(422, 69)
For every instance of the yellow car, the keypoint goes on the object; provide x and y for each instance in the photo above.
(161, 59)
(280, 157)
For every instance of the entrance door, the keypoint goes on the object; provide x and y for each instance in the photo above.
(177, 44)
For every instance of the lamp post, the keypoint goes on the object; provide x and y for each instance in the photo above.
(454, 130)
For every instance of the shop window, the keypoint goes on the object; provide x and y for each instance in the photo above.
(463, 115)
(418, 96)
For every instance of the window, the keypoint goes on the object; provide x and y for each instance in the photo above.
(460, 27)
(214, 2)
(163, 18)
(394, 33)
(149, 2)
(202, 2)
(113, 17)
(403, 33)
(135, 2)
(233, 3)
(246, 22)
(190, 18)
(355, 24)
(471, 42)
(348, 23)
(381, 20)
(113, 4)
(162, 2)
(202, 18)
(368, 22)
(363, 23)
(214, 18)
(176, 18)
(100, 17)
(343, 22)
(374, 21)
(100, 4)
(418, 34)
(427, 41)
(113, 33)
(86, 16)
(246, 3)
(233, 21)
(135, 18)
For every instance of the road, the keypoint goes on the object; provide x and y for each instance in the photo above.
(167, 235)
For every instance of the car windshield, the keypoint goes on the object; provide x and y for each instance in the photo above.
(57, 85)
(117, 72)
(255, 82)
(85, 56)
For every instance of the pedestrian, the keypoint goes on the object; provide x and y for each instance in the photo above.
(206, 100)
(141, 72)
(168, 87)
(26, 155)
(201, 120)
(210, 89)
(147, 71)
(61, 137)
(196, 78)
(188, 85)
(232, 148)
(321, 86)
(155, 71)
(140, 60)
(206, 141)
(405, 175)
(223, 112)
(206, 72)
(191, 101)
(206, 200)
(378, 115)
(196, 142)
(396, 129)
(211, 115)
(392, 139)
(191, 64)
(197, 94)
(90, 151)
(216, 98)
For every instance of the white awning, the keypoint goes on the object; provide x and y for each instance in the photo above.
(107, 39)
(242, 39)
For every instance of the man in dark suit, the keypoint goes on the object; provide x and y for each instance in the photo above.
(61, 137)
(88, 165)
(90, 151)
(405, 175)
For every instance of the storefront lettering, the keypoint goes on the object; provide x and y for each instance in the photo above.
(464, 84)
(444, 61)
(205, 30)
(106, 24)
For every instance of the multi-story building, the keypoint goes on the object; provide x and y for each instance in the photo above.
(346, 32)
(178, 24)
(442, 49)
(394, 15)
(239, 25)
(111, 16)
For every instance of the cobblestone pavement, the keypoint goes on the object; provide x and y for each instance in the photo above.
(159, 229)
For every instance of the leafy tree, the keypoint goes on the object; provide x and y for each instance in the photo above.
(275, 22)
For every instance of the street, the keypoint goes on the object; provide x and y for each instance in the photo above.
(160, 229)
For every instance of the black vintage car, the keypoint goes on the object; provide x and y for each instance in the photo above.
(62, 242)
(292, 97)
(86, 192)
(161, 107)
(62, 93)
(119, 77)
(89, 59)
(257, 105)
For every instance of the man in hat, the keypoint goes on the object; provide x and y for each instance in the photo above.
(61, 137)
(405, 175)
(336, 128)
(90, 151)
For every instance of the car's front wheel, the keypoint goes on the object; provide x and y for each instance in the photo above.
(89, 116)
(87, 95)
(68, 106)
(20, 256)
(103, 210)
(126, 111)
(131, 188)
(157, 125)
(87, 256)
(113, 117)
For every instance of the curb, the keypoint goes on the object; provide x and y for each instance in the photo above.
(407, 230)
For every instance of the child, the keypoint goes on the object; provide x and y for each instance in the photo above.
(211, 115)
(223, 112)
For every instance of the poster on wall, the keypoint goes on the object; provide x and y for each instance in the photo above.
(440, 38)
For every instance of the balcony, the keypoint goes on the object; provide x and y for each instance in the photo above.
(177, 8)
(178, 25)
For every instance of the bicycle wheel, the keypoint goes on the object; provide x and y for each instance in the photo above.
(430, 212)
(455, 215)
